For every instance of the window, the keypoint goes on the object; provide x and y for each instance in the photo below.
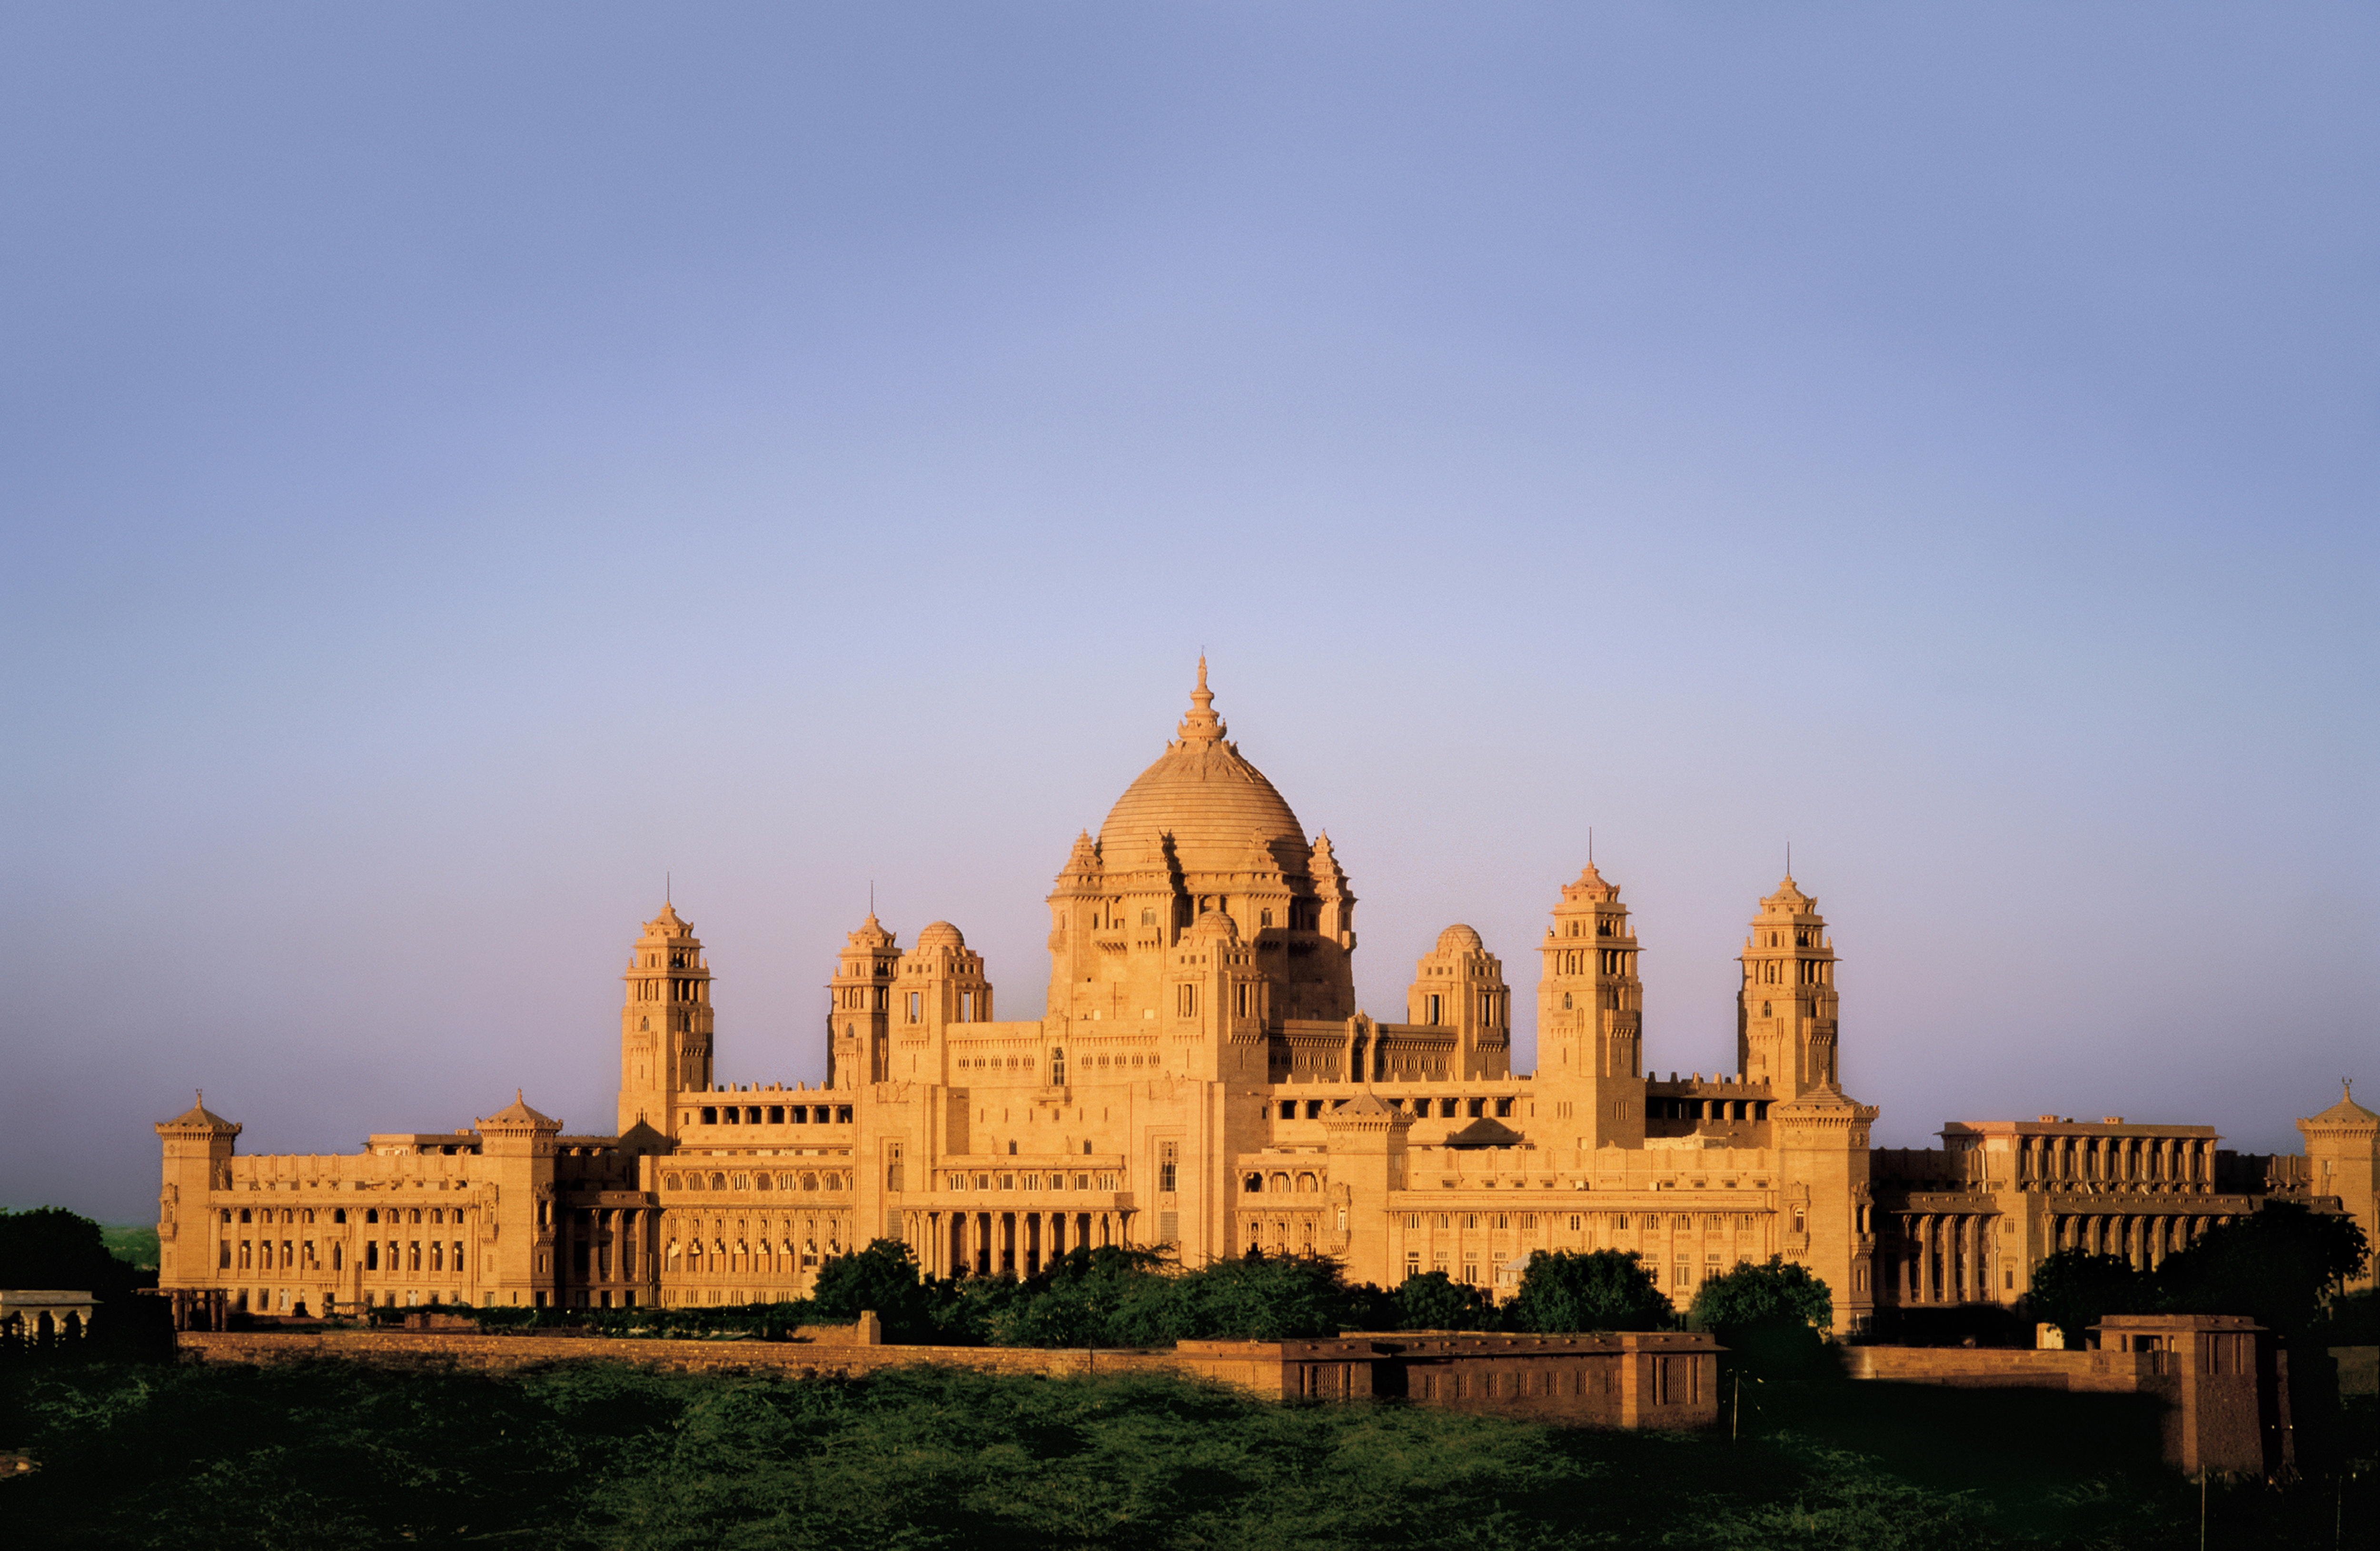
(916, 1000)
(1168, 1167)
(1186, 1000)
(1430, 1009)
(1057, 1067)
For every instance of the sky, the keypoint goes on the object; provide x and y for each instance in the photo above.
(461, 467)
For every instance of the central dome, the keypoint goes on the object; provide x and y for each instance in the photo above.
(1214, 804)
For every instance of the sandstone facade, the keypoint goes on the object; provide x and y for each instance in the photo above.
(1202, 1078)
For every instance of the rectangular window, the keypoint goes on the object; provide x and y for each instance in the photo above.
(916, 999)
(1186, 1001)
(1168, 1168)
(1430, 1005)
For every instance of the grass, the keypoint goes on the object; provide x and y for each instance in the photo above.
(591, 1455)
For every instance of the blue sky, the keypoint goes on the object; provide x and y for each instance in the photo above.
(458, 464)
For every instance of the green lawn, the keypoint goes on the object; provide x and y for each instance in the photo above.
(334, 1454)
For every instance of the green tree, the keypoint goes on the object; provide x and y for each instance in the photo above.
(1434, 1301)
(50, 1247)
(1078, 1300)
(1256, 1298)
(2280, 1266)
(1768, 1316)
(2074, 1290)
(1606, 1290)
(884, 1276)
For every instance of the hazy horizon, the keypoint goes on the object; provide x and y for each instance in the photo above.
(461, 466)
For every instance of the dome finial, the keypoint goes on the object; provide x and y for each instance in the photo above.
(1202, 726)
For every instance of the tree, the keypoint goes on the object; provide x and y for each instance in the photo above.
(50, 1247)
(884, 1278)
(2280, 1266)
(1434, 1301)
(1077, 1300)
(1768, 1316)
(1255, 1299)
(2074, 1290)
(1608, 1289)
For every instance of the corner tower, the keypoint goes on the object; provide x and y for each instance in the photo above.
(664, 1022)
(1785, 1007)
(1591, 1014)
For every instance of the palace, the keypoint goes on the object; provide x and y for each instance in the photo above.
(1203, 1079)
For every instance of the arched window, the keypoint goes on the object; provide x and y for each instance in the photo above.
(762, 1182)
(743, 1181)
(810, 1182)
(719, 1181)
(670, 1182)
(1254, 1184)
(1280, 1181)
(243, 1216)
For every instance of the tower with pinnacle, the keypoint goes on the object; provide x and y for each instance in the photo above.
(665, 1023)
(1785, 1007)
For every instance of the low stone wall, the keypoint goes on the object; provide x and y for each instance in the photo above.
(792, 1359)
(2000, 1368)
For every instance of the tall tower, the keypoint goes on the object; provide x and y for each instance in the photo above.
(2343, 1145)
(859, 1048)
(664, 1024)
(1591, 1014)
(1785, 1008)
(1459, 985)
(197, 1144)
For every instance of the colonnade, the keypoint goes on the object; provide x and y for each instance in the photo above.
(1946, 1257)
(1008, 1243)
(2171, 1161)
(2141, 1237)
(1949, 1257)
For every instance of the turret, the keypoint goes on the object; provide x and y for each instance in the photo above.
(939, 982)
(1459, 985)
(1785, 1008)
(665, 1023)
(1591, 1015)
(860, 996)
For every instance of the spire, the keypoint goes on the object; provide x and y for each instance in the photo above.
(1202, 726)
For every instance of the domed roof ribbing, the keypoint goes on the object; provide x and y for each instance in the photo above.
(942, 934)
(1458, 938)
(1215, 804)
